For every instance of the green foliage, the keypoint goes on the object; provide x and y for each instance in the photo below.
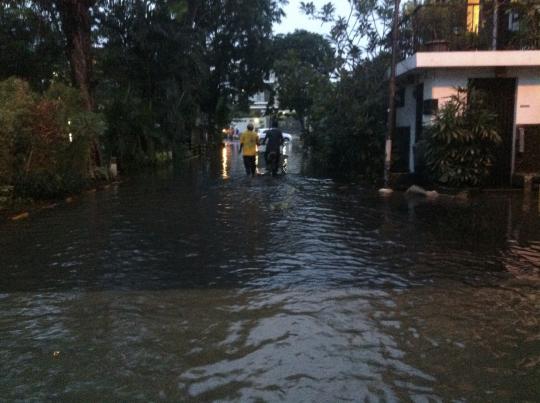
(45, 140)
(308, 48)
(16, 106)
(31, 43)
(235, 42)
(528, 33)
(460, 146)
(303, 63)
(360, 34)
(157, 69)
(447, 21)
(162, 78)
(46, 185)
(348, 123)
(438, 21)
(347, 119)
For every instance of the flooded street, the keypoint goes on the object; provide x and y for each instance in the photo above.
(201, 285)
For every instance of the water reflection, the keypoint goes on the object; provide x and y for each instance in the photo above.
(225, 157)
(230, 152)
(187, 286)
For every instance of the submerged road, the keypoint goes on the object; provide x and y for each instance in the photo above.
(200, 284)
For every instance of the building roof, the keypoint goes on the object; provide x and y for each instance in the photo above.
(469, 59)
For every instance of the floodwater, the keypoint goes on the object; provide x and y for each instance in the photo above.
(203, 285)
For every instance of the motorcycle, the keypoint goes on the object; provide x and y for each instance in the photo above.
(276, 162)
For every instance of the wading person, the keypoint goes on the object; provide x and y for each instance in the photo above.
(248, 148)
(273, 141)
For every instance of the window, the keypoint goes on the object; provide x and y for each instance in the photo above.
(473, 16)
(513, 21)
(430, 107)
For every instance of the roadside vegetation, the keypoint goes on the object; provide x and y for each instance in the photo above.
(138, 80)
(148, 81)
(46, 140)
(460, 146)
(346, 114)
(344, 109)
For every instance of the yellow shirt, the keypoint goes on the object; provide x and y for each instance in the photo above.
(249, 140)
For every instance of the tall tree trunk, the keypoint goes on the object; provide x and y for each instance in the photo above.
(76, 25)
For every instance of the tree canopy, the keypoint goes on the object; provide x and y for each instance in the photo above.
(155, 68)
(303, 62)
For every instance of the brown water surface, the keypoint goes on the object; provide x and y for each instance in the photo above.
(202, 285)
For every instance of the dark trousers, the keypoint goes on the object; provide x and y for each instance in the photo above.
(272, 161)
(249, 163)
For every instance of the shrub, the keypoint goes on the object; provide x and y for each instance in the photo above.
(45, 141)
(459, 148)
(348, 121)
(16, 105)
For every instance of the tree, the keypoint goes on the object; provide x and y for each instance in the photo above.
(16, 105)
(76, 26)
(167, 68)
(348, 121)
(156, 68)
(148, 71)
(45, 139)
(360, 35)
(303, 63)
(235, 39)
(49, 19)
(349, 117)
(31, 44)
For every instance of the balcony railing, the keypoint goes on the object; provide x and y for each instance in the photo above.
(457, 25)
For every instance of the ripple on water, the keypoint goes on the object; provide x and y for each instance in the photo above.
(195, 287)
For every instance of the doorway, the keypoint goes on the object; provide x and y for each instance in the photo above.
(501, 99)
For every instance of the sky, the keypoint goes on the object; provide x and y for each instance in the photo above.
(295, 19)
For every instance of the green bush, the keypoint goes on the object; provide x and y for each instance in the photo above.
(16, 104)
(47, 185)
(348, 121)
(459, 147)
(46, 140)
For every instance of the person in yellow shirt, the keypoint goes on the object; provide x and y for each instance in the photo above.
(248, 147)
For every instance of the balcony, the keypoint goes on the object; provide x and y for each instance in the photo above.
(465, 25)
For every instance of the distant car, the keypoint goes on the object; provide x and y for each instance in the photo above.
(262, 135)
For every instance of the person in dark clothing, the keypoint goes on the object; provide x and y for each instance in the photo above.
(273, 141)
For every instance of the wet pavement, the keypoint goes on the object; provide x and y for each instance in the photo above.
(199, 284)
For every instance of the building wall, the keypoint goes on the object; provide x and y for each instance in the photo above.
(406, 117)
(528, 98)
(527, 135)
(441, 85)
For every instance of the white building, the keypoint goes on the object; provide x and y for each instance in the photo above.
(259, 102)
(511, 78)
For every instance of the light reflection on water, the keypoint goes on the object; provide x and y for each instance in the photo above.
(189, 286)
(225, 157)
